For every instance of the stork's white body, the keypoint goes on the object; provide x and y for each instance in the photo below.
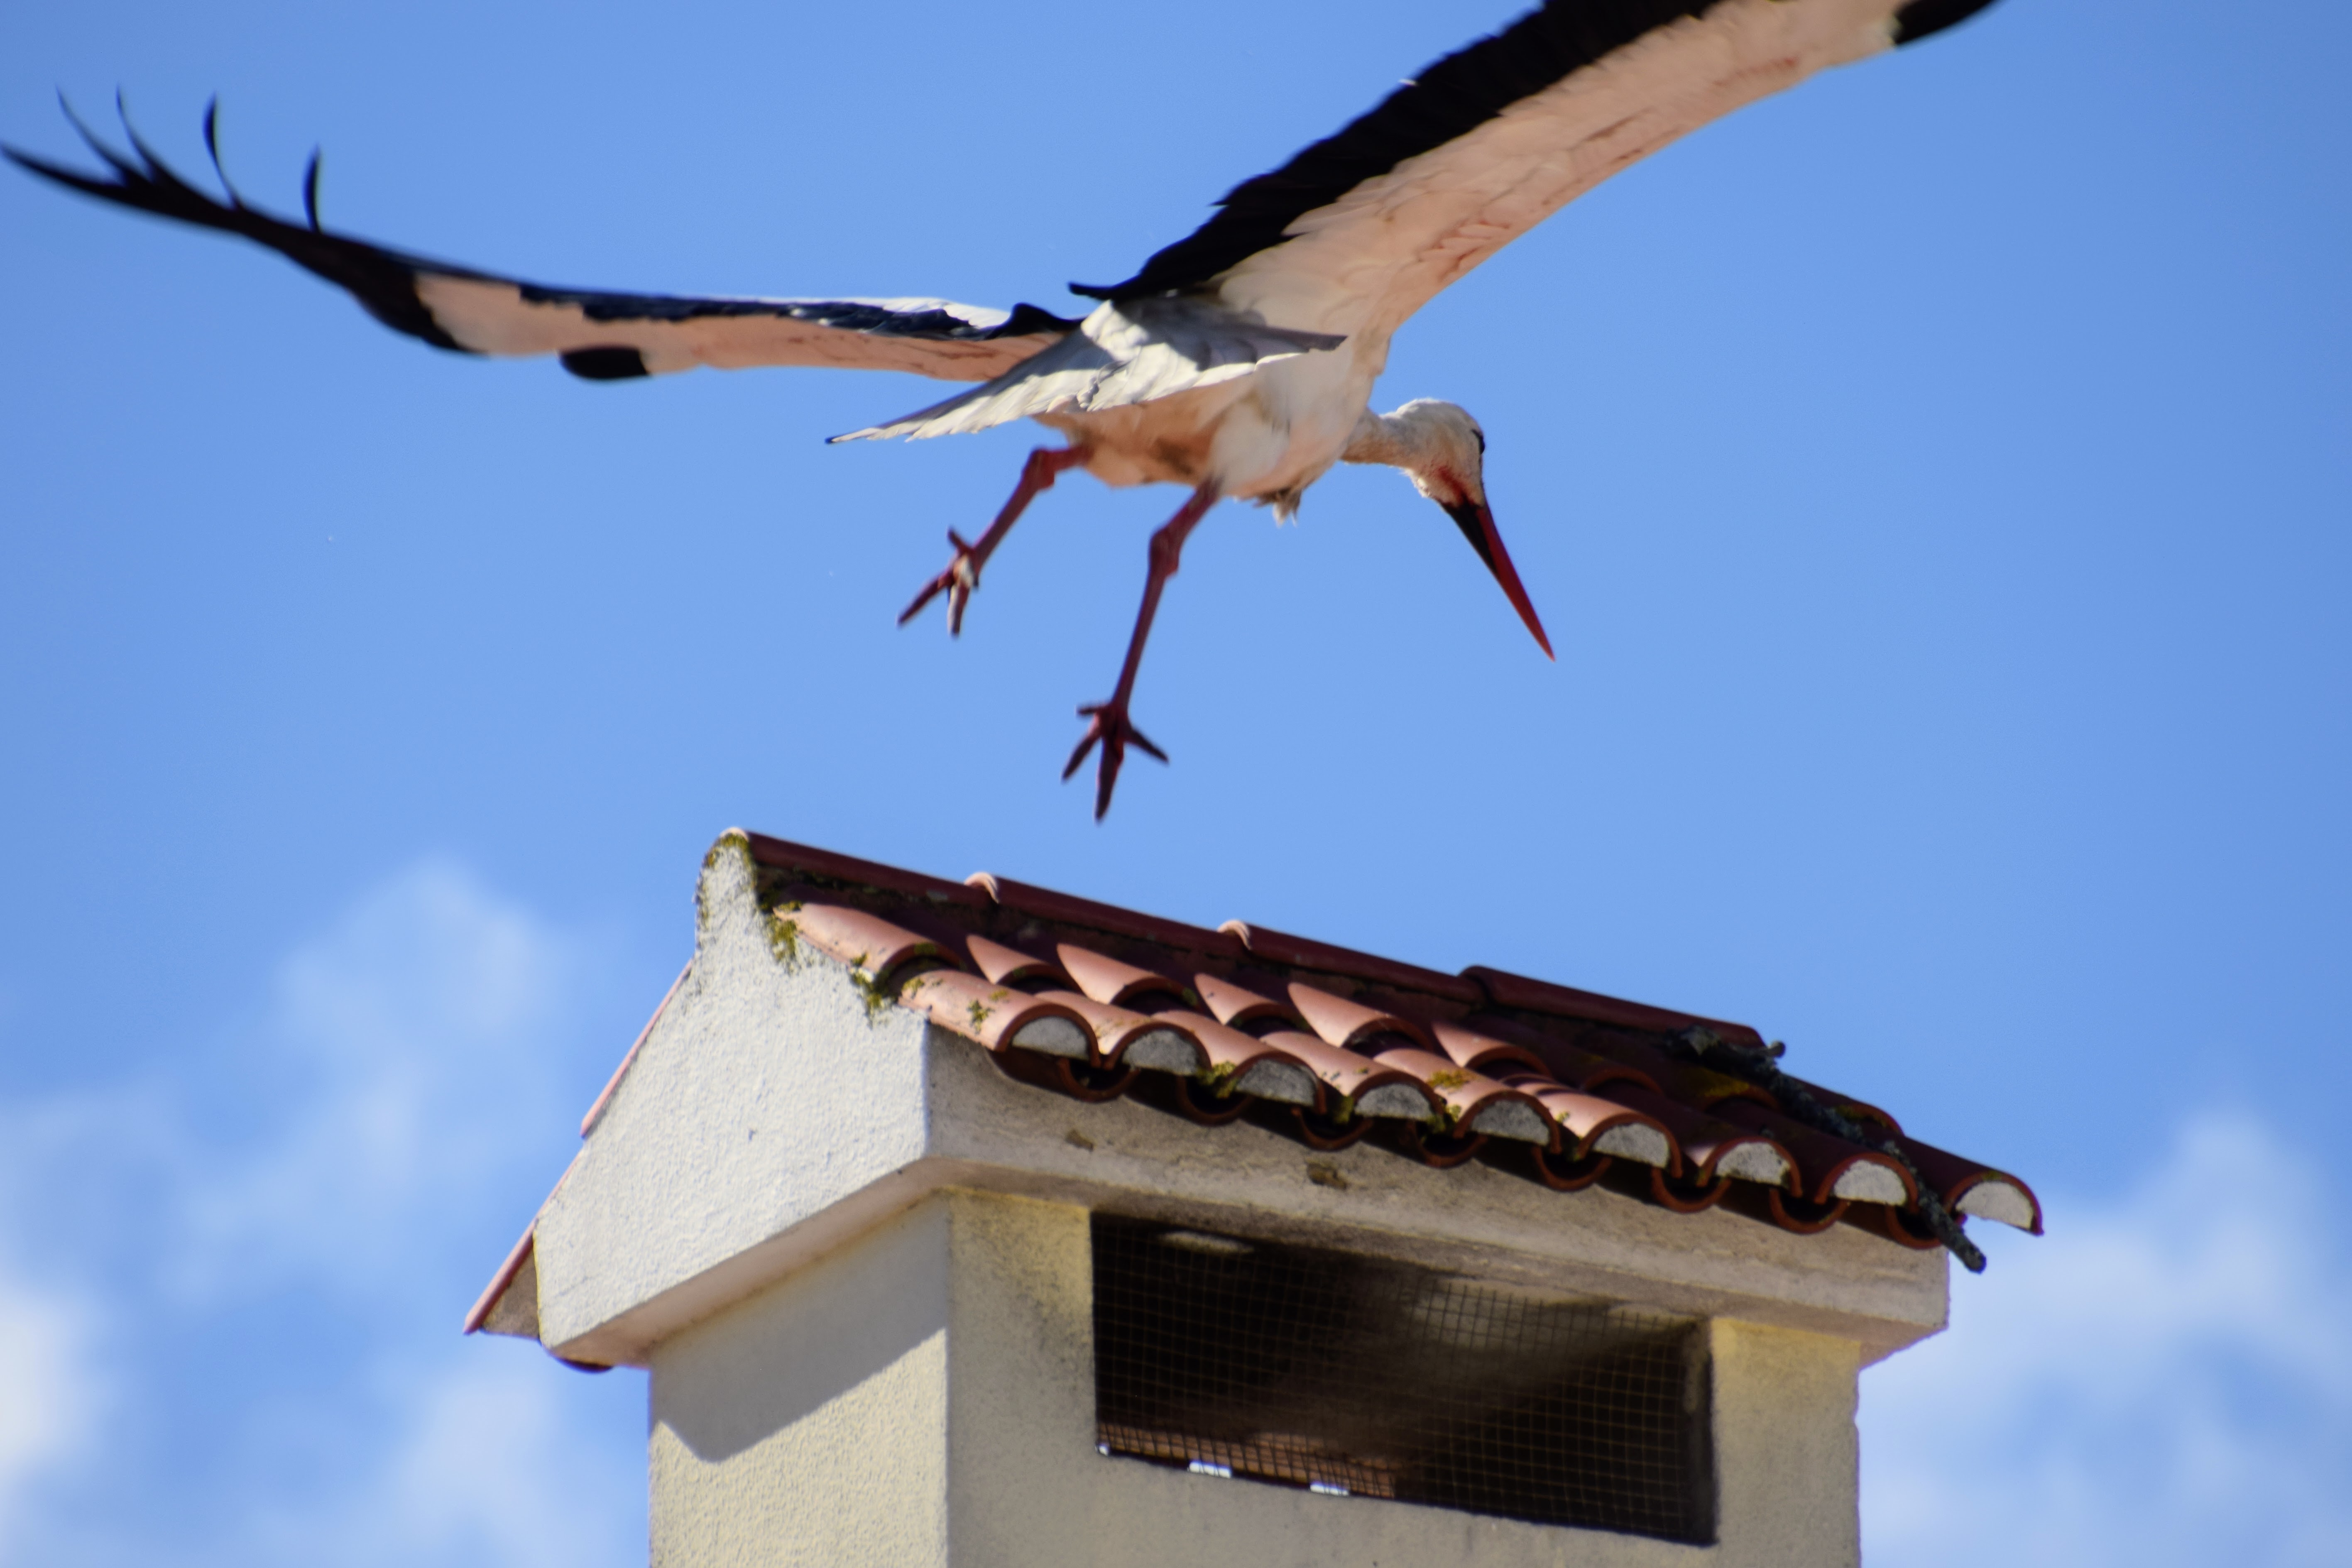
(1265, 436)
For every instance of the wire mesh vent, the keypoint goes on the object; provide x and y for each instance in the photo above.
(1356, 1374)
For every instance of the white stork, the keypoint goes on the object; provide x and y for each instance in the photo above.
(1239, 363)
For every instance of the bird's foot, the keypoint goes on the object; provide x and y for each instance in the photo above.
(957, 582)
(1110, 724)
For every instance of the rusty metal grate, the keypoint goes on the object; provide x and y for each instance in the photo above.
(1381, 1379)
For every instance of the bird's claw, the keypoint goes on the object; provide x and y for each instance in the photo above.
(1110, 725)
(957, 582)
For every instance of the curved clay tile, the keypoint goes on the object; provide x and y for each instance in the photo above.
(1418, 1140)
(1970, 1188)
(1107, 979)
(996, 1016)
(1352, 1025)
(1570, 1063)
(1794, 1214)
(1239, 1007)
(1064, 1075)
(1467, 1048)
(1561, 1172)
(2003, 1198)
(1375, 1089)
(1829, 1168)
(864, 941)
(1474, 1102)
(1712, 1147)
(1590, 1125)
(1687, 1196)
(1122, 1037)
(1004, 965)
(1248, 1066)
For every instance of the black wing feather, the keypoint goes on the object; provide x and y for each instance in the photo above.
(1451, 98)
(384, 281)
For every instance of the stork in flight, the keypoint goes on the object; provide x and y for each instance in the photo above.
(1239, 362)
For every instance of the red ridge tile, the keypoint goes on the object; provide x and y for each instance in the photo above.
(1846, 1105)
(613, 1084)
(1070, 910)
(1505, 989)
(1304, 953)
(479, 1313)
(782, 855)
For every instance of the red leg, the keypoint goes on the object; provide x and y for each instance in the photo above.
(1110, 725)
(963, 576)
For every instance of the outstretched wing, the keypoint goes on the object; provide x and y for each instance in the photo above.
(598, 335)
(1361, 229)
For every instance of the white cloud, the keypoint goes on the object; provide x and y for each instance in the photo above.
(284, 1227)
(2164, 1379)
(409, 1048)
(50, 1390)
(484, 1466)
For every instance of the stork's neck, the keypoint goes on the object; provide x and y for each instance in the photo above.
(1386, 438)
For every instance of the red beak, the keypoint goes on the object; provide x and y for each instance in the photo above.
(1478, 526)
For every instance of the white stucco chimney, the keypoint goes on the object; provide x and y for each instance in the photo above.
(847, 1199)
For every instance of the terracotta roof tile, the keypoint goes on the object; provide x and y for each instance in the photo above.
(1351, 1025)
(1134, 1039)
(1238, 1007)
(1245, 1066)
(1008, 966)
(1327, 1046)
(1106, 979)
(861, 940)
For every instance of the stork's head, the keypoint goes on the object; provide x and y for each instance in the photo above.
(1441, 447)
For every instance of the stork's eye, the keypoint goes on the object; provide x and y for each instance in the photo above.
(1482, 439)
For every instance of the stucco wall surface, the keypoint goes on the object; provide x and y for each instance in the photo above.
(1001, 1397)
(808, 1426)
(767, 1093)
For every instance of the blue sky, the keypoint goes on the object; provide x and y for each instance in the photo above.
(1935, 481)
